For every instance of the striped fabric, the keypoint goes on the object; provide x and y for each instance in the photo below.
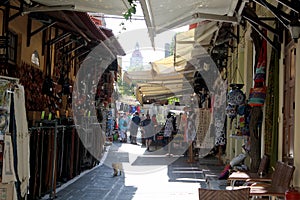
(209, 194)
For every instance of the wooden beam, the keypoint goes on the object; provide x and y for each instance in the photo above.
(80, 54)
(59, 38)
(44, 27)
(260, 23)
(279, 14)
(29, 24)
(66, 44)
(74, 49)
(213, 17)
(67, 18)
(254, 26)
(47, 9)
(291, 5)
(30, 34)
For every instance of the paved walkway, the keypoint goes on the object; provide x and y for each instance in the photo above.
(146, 175)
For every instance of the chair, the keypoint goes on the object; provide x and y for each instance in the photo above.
(280, 182)
(264, 164)
(210, 194)
(282, 175)
(251, 176)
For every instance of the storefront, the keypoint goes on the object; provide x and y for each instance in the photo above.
(43, 50)
(274, 25)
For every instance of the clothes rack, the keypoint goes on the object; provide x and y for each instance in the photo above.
(68, 160)
(14, 136)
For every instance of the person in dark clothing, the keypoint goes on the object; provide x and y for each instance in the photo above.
(168, 129)
(134, 125)
(148, 131)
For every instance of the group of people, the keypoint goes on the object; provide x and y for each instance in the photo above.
(147, 124)
(182, 124)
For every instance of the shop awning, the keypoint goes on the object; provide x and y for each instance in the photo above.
(194, 43)
(187, 46)
(159, 83)
(173, 75)
(168, 65)
(163, 15)
(112, 7)
(85, 33)
(149, 76)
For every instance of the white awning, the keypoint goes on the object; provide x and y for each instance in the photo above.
(162, 15)
(163, 81)
(111, 7)
(173, 75)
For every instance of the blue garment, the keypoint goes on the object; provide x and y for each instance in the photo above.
(122, 124)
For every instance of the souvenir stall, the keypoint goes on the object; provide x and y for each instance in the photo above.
(58, 155)
(57, 151)
(14, 140)
(60, 152)
(246, 116)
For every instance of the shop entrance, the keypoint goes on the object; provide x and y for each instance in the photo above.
(289, 103)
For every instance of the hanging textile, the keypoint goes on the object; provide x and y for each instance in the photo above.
(22, 138)
(219, 108)
(272, 104)
(257, 101)
(8, 172)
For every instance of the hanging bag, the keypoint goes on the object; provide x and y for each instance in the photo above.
(257, 96)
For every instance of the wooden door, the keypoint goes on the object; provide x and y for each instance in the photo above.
(289, 104)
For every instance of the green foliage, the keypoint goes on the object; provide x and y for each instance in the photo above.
(171, 100)
(172, 46)
(131, 10)
(125, 89)
(128, 14)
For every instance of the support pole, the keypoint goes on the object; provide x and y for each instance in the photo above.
(53, 184)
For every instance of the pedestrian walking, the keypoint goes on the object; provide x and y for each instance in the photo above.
(134, 125)
(123, 127)
(155, 124)
(191, 134)
(143, 117)
(148, 131)
(168, 129)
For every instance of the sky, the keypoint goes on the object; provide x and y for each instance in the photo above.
(136, 31)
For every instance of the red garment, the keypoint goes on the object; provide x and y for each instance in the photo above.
(138, 109)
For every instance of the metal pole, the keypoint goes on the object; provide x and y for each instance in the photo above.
(52, 195)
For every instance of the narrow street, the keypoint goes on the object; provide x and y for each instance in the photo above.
(146, 175)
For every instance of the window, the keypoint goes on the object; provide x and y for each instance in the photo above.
(12, 47)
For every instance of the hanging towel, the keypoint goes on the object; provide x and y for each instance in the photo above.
(22, 138)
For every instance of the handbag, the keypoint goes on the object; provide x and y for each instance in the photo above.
(257, 96)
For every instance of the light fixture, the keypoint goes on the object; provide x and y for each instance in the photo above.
(294, 28)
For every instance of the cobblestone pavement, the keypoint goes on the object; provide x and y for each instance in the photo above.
(146, 175)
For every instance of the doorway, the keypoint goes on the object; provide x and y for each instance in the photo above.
(289, 103)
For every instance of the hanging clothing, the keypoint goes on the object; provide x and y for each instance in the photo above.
(123, 127)
(23, 152)
(183, 126)
(191, 129)
(168, 127)
(8, 172)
